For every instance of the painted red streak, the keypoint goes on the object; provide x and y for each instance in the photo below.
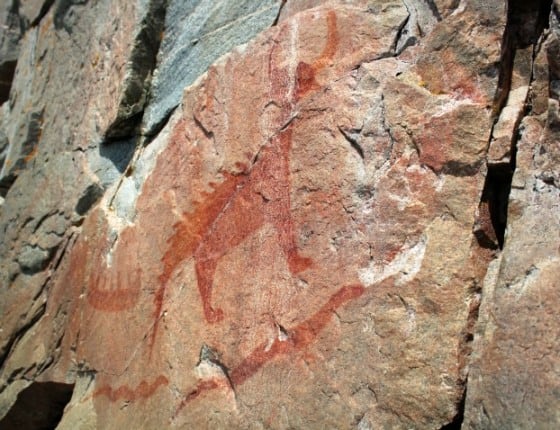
(201, 388)
(110, 295)
(299, 338)
(189, 234)
(142, 391)
(242, 204)
(306, 73)
(239, 206)
(108, 289)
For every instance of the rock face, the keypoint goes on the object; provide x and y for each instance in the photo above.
(196, 33)
(514, 377)
(350, 221)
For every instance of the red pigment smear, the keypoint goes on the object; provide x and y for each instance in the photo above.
(299, 338)
(202, 387)
(191, 230)
(306, 73)
(108, 289)
(115, 288)
(113, 296)
(241, 204)
(278, 76)
(142, 391)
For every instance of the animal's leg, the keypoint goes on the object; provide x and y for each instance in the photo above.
(205, 268)
(239, 219)
(296, 262)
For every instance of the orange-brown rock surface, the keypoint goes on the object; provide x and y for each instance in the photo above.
(350, 221)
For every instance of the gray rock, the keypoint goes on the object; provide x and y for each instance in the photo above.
(16, 16)
(196, 34)
(421, 20)
(139, 69)
(108, 161)
(4, 141)
(33, 10)
(32, 259)
(25, 136)
(12, 27)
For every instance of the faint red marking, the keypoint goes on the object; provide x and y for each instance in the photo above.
(115, 288)
(105, 293)
(220, 223)
(299, 338)
(108, 289)
(112, 296)
(142, 391)
(306, 73)
(201, 388)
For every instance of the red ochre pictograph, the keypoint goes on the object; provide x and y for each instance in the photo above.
(219, 223)
(110, 292)
(306, 73)
(299, 338)
(109, 288)
(124, 392)
(113, 288)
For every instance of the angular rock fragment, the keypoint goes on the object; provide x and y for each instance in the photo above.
(196, 34)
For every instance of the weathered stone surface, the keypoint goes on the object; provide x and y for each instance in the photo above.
(33, 10)
(286, 243)
(11, 29)
(515, 376)
(514, 380)
(73, 76)
(16, 16)
(112, 60)
(196, 34)
(297, 234)
(507, 123)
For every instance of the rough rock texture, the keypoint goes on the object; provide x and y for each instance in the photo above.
(350, 221)
(16, 17)
(57, 161)
(514, 379)
(196, 33)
